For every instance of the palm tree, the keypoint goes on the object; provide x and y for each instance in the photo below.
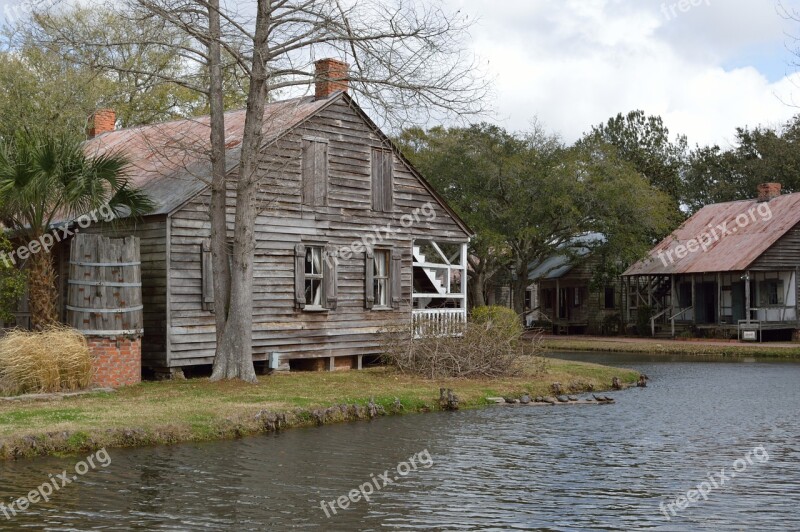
(47, 178)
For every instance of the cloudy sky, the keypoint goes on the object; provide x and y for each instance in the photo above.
(573, 63)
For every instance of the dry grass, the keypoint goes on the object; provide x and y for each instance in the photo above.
(53, 360)
(196, 409)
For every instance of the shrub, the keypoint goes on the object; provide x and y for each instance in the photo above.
(55, 359)
(486, 348)
(643, 315)
(503, 319)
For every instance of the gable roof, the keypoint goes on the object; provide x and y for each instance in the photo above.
(170, 161)
(557, 266)
(729, 246)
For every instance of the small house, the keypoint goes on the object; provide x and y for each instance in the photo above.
(731, 269)
(564, 295)
(351, 239)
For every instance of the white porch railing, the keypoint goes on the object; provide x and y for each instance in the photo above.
(439, 322)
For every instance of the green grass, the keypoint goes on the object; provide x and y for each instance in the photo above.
(197, 409)
(672, 348)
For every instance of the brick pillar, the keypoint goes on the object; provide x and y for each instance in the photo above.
(117, 360)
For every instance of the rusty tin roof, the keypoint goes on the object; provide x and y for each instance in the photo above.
(170, 161)
(723, 241)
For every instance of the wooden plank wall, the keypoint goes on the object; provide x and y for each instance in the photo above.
(283, 222)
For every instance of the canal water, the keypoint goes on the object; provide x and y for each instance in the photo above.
(733, 425)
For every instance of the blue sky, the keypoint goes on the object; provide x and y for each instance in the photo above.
(707, 69)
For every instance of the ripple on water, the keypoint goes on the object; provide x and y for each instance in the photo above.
(601, 468)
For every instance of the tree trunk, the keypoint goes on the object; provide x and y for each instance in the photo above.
(234, 358)
(42, 291)
(477, 289)
(218, 214)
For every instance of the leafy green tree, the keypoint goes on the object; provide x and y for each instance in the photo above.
(49, 77)
(758, 155)
(12, 281)
(528, 196)
(47, 178)
(644, 141)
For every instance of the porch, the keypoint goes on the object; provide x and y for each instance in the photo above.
(742, 304)
(439, 288)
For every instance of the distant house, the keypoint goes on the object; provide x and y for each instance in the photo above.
(350, 237)
(730, 269)
(563, 297)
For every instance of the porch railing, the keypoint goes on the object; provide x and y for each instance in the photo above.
(438, 322)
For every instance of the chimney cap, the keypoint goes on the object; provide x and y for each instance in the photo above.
(330, 76)
(768, 191)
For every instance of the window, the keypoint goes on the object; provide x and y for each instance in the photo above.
(547, 295)
(381, 278)
(770, 292)
(382, 181)
(315, 172)
(315, 277)
(685, 295)
(576, 297)
(383, 274)
(610, 298)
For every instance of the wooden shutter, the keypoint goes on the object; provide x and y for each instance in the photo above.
(382, 180)
(377, 181)
(388, 182)
(369, 278)
(315, 172)
(396, 291)
(300, 275)
(207, 276)
(330, 278)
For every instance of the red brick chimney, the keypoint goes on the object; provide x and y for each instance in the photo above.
(331, 76)
(768, 191)
(101, 121)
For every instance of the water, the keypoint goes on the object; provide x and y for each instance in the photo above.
(560, 468)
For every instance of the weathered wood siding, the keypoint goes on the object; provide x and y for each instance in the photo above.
(284, 221)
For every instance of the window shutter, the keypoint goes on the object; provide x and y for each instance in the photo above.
(320, 174)
(377, 181)
(330, 271)
(309, 162)
(388, 184)
(369, 278)
(300, 275)
(207, 276)
(397, 280)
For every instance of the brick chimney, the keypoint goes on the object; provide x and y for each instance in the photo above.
(331, 76)
(768, 191)
(101, 121)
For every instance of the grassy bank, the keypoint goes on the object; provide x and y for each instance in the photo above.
(671, 347)
(198, 410)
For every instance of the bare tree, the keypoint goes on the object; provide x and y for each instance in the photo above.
(409, 63)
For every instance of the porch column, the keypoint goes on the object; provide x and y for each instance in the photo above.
(672, 301)
(747, 296)
(464, 279)
(694, 299)
(719, 299)
(558, 301)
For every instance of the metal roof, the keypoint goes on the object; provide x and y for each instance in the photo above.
(557, 266)
(170, 161)
(727, 237)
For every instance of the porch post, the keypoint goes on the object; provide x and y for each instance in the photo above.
(672, 303)
(558, 301)
(464, 280)
(694, 299)
(796, 299)
(747, 295)
(719, 298)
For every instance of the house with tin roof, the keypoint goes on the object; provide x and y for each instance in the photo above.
(731, 270)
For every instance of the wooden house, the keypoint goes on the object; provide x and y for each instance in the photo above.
(350, 237)
(563, 297)
(731, 269)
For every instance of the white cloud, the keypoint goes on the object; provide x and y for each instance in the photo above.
(575, 63)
